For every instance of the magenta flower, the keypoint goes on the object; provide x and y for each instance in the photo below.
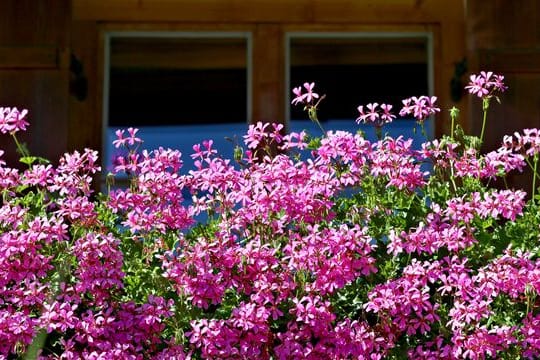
(387, 116)
(374, 115)
(304, 98)
(299, 96)
(256, 135)
(421, 108)
(486, 84)
(310, 95)
(12, 120)
(131, 140)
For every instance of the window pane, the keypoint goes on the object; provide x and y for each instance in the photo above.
(179, 89)
(357, 71)
(177, 81)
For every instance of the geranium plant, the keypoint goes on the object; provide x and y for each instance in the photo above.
(332, 248)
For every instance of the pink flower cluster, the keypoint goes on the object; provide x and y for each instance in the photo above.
(471, 164)
(375, 116)
(62, 270)
(304, 98)
(421, 108)
(12, 120)
(486, 84)
(354, 250)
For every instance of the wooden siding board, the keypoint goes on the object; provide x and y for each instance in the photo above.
(33, 57)
(264, 11)
(34, 70)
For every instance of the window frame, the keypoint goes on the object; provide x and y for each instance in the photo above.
(108, 36)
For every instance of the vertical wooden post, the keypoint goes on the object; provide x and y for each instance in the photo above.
(85, 128)
(268, 78)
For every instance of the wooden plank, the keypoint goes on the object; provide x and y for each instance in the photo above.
(35, 22)
(258, 11)
(179, 53)
(84, 126)
(268, 74)
(504, 37)
(32, 57)
(507, 61)
(502, 23)
(360, 52)
(34, 74)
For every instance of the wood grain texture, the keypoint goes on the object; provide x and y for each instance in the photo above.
(266, 11)
(34, 70)
(504, 37)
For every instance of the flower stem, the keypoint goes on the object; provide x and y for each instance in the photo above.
(312, 112)
(454, 113)
(534, 168)
(20, 148)
(535, 174)
(423, 130)
(485, 107)
(378, 132)
(452, 180)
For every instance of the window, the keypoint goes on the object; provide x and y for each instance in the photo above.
(356, 69)
(178, 88)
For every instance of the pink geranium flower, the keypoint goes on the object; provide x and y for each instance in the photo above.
(375, 116)
(486, 84)
(12, 120)
(421, 108)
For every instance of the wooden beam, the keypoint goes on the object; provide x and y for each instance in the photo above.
(268, 74)
(179, 53)
(29, 57)
(507, 61)
(265, 11)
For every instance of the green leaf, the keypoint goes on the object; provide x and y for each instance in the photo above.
(30, 160)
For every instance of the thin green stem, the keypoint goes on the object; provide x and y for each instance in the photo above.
(454, 113)
(22, 150)
(483, 127)
(452, 176)
(312, 113)
(532, 166)
(423, 130)
(378, 132)
(505, 182)
(535, 174)
(320, 126)
(485, 107)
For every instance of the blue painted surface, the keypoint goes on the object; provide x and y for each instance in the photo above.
(184, 137)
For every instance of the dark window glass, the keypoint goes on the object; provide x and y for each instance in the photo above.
(354, 72)
(176, 81)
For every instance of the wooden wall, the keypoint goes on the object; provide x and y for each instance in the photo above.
(34, 74)
(504, 37)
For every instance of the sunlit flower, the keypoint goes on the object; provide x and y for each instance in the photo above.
(420, 108)
(12, 120)
(375, 116)
(486, 84)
